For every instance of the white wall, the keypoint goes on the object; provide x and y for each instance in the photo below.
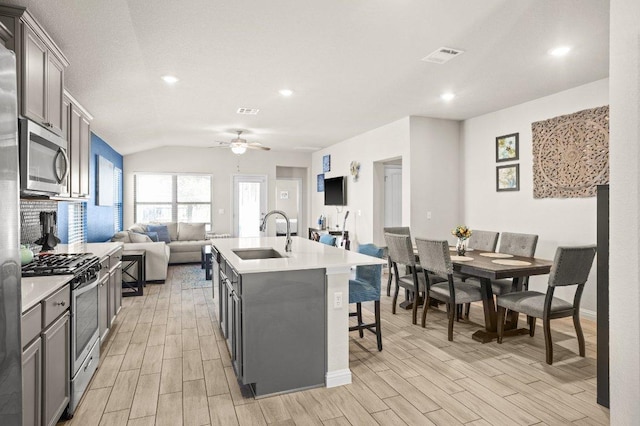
(386, 142)
(428, 147)
(219, 162)
(435, 184)
(556, 221)
(624, 272)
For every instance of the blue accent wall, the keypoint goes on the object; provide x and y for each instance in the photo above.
(99, 222)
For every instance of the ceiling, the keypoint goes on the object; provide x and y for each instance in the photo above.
(353, 65)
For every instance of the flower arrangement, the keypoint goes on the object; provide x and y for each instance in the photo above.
(462, 232)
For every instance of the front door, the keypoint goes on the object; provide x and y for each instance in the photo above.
(249, 204)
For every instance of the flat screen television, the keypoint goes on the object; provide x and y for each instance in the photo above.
(335, 191)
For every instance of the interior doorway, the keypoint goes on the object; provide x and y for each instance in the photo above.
(249, 204)
(393, 194)
(289, 200)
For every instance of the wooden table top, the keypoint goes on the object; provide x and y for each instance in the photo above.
(484, 267)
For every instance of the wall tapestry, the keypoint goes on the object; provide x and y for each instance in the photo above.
(571, 154)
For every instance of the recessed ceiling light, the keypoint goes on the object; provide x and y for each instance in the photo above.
(286, 92)
(559, 51)
(447, 96)
(170, 79)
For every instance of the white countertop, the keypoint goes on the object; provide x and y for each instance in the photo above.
(306, 254)
(98, 249)
(34, 289)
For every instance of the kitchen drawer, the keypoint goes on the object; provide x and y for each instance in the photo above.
(235, 281)
(115, 258)
(55, 305)
(104, 266)
(31, 324)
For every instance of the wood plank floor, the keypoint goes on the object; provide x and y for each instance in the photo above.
(165, 363)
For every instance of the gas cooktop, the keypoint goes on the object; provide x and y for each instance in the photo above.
(59, 264)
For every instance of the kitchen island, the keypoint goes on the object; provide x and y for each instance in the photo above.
(285, 315)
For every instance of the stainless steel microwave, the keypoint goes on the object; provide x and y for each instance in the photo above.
(44, 163)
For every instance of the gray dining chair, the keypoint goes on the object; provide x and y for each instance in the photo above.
(398, 230)
(483, 240)
(518, 245)
(435, 257)
(401, 252)
(571, 266)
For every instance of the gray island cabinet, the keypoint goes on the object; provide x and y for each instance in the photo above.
(274, 315)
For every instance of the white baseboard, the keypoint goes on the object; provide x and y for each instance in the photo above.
(338, 378)
(588, 314)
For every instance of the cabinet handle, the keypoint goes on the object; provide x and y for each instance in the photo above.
(60, 303)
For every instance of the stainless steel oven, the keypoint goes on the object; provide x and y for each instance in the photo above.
(85, 347)
(44, 163)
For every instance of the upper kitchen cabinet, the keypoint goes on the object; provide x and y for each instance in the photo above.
(41, 66)
(78, 133)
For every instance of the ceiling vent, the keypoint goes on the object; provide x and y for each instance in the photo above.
(442, 55)
(248, 111)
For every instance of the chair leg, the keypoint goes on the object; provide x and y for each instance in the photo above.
(359, 316)
(451, 309)
(576, 324)
(378, 328)
(414, 311)
(458, 312)
(502, 313)
(532, 325)
(467, 307)
(389, 281)
(424, 310)
(548, 344)
(395, 299)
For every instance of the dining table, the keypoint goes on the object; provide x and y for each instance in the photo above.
(487, 266)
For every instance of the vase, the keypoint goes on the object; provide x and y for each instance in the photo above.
(461, 246)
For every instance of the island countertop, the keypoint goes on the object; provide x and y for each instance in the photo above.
(305, 254)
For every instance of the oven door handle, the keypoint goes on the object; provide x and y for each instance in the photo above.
(85, 287)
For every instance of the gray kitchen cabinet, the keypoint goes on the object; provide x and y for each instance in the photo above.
(32, 383)
(41, 66)
(56, 346)
(109, 291)
(78, 134)
(103, 301)
(118, 288)
(115, 284)
(254, 309)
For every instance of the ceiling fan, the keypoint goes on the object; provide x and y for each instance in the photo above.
(239, 145)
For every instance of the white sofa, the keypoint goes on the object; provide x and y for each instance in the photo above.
(185, 246)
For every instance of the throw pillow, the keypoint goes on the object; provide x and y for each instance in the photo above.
(153, 236)
(121, 237)
(172, 227)
(162, 230)
(139, 238)
(191, 231)
(138, 227)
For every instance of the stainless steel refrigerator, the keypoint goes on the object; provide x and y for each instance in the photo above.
(10, 293)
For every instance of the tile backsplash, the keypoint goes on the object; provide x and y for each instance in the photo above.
(30, 229)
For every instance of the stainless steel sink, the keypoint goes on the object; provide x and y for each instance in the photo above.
(257, 253)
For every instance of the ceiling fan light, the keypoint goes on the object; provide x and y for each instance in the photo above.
(238, 149)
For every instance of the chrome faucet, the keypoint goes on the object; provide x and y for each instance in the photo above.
(263, 225)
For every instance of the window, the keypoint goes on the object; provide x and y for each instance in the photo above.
(172, 198)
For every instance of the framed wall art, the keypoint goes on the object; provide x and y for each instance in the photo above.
(320, 183)
(507, 147)
(508, 178)
(326, 163)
